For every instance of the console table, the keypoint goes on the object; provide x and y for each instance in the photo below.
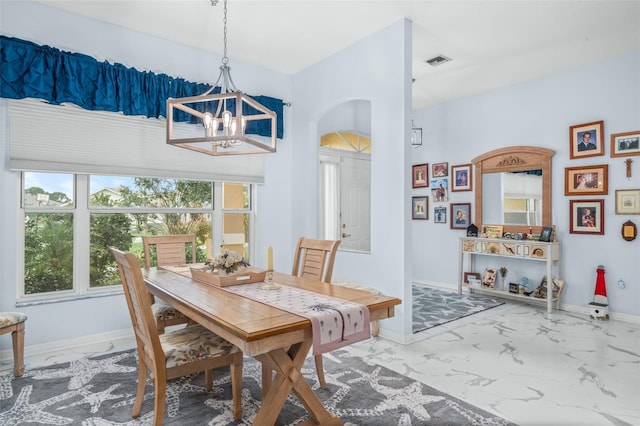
(534, 251)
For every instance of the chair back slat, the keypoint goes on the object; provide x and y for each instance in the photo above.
(314, 259)
(139, 304)
(170, 249)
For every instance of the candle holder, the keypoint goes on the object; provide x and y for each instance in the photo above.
(269, 284)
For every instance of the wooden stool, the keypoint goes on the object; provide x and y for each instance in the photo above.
(13, 322)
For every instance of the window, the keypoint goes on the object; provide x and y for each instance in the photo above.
(71, 220)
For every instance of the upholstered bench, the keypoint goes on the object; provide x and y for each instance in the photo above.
(13, 322)
(375, 326)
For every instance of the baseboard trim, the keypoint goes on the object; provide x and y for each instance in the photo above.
(70, 344)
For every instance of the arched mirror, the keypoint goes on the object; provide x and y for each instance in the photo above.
(344, 176)
(513, 188)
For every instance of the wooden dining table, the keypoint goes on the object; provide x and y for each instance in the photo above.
(279, 339)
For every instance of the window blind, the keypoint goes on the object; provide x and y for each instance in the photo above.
(66, 138)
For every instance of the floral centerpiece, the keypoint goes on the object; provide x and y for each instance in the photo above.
(228, 262)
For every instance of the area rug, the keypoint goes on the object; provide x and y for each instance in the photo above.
(432, 307)
(101, 390)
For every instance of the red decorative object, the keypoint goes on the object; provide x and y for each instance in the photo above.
(600, 306)
(600, 295)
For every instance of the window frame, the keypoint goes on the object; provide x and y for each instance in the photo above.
(82, 212)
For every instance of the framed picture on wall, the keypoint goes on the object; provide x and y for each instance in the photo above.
(419, 176)
(439, 214)
(625, 144)
(440, 170)
(627, 201)
(419, 208)
(586, 217)
(440, 189)
(586, 140)
(460, 215)
(586, 180)
(461, 179)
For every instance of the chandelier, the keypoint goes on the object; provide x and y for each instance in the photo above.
(218, 122)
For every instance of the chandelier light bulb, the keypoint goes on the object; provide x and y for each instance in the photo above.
(207, 118)
(207, 122)
(226, 119)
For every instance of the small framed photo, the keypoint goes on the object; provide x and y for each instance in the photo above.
(461, 178)
(627, 201)
(545, 234)
(440, 170)
(419, 208)
(439, 215)
(471, 275)
(420, 177)
(514, 288)
(460, 215)
(625, 144)
(440, 189)
(493, 231)
(586, 217)
(586, 180)
(489, 278)
(586, 140)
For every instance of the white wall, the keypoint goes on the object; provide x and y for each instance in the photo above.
(540, 113)
(376, 69)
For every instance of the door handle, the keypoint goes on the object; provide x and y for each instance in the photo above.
(345, 235)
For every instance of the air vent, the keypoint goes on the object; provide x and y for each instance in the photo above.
(437, 60)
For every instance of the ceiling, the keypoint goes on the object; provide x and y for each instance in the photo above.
(492, 44)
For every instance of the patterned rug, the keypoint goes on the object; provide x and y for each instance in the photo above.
(101, 390)
(433, 307)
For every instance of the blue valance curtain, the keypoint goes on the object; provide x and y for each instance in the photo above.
(28, 70)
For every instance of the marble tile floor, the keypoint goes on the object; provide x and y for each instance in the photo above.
(517, 361)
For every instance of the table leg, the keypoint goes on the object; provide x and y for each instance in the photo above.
(288, 366)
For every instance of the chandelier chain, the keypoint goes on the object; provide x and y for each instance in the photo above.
(225, 59)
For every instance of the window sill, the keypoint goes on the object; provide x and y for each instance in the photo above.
(61, 299)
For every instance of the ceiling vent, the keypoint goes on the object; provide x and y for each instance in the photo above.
(437, 60)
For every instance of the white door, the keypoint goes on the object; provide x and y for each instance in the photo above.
(355, 202)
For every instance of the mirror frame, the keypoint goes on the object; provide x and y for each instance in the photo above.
(515, 159)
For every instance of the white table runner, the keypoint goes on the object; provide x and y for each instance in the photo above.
(335, 322)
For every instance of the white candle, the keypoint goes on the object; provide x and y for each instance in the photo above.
(269, 258)
(209, 243)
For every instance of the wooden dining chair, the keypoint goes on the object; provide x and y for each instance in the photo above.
(314, 259)
(170, 250)
(175, 353)
(13, 322)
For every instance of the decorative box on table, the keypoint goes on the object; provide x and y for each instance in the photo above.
(244, 276)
